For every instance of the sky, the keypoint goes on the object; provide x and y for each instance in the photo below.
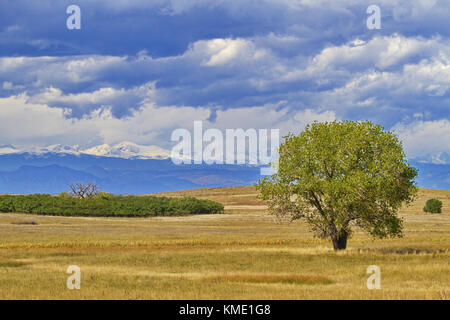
(137, 70)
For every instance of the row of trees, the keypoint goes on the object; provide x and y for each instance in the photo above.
(106, 205)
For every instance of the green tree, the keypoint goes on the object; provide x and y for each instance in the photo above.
(341, 174)
(433, 206)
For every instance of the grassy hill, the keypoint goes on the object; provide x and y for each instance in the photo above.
(242, 254)
(244, 199)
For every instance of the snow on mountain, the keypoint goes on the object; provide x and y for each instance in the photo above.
(131, 150)
(128, 150)
(8, 149)
(100, 150)
(57, 148)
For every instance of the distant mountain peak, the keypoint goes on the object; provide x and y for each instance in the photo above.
(128, 150)
(8, 148)
(125, 150)
(58, 148)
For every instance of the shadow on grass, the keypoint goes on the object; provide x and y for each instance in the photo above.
(12, 264)
(287, 279)
(65, 254)
(401, 251)
(25, 223)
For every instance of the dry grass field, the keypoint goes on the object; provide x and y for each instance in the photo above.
(242, 254)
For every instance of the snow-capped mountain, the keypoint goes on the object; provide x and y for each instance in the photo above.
(57, 148)
(128, 150)
(8, 149)
(127, 168)
(131, 150)
(125, 150)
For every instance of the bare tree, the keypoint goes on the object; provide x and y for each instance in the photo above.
(83, 191)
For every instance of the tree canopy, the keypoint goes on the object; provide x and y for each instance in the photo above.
(342, 174)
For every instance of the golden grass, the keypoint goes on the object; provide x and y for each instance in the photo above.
(268, 278)
(242, 254)
(11, 264)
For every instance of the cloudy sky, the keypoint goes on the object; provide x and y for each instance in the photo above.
(139, 69)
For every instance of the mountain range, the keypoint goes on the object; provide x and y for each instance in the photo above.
(126, 150)
(128, 168)
(24, 173)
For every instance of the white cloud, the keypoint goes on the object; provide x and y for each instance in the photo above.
(117, 99)
(411, 89)
(284, 78)
(26, 123)
(225, 51)
(8, 86)
(422, 138)
(21, 122)
(149, 125)
(38, 72)
(270, 68)
(381, 52)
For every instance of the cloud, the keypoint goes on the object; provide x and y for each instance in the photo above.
(278, 116)
(167, 27)
(33, 123)
(138, 69)
(120, 101)
(379, 52)
(9, 86)
(225, 51)
(385, 79)
(44, 125)
(149, 125)
(421, 138)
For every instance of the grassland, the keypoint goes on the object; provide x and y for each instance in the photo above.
(241, 254)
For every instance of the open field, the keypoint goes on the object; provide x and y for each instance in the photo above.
(242, 254)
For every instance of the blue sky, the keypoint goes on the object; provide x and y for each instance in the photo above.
(139, 69)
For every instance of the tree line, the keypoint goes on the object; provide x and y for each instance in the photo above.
(107, 205)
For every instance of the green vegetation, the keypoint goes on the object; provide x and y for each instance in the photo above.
(338, 174)
(433, 206)
(239, 255)
(106, 205)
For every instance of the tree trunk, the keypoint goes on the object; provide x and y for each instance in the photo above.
(339, 240)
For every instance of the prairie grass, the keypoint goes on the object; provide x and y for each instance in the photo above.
(242, 254)
(11, 264)
(268, 278)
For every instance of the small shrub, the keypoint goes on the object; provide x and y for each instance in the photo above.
(433, 206)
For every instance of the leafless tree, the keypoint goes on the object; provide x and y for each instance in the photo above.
(84, 190)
